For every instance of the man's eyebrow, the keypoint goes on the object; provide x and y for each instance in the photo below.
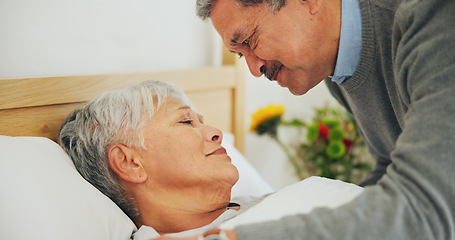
(235, 39)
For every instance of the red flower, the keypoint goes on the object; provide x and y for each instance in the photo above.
(324, 131)
(347, 143)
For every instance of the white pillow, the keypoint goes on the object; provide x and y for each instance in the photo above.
(42, 196)
(250, 182)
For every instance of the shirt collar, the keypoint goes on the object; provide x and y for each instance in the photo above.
(350, 41)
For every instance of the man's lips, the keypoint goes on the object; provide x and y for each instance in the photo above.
(272, 72)
(275, 77)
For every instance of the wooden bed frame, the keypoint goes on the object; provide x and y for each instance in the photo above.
(37, 106)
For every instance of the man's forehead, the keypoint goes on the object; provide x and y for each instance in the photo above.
(233, 35)
(227, 19)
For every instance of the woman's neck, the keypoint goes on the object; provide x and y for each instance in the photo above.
(171, 211)
(171, 220)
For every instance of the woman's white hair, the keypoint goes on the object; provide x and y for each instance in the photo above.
(114, 117)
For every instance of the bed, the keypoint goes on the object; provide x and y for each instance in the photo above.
(43, 196)
(37, 106)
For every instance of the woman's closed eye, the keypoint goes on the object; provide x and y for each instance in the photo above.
(188, 122)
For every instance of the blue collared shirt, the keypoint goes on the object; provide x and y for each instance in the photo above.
(350, 41)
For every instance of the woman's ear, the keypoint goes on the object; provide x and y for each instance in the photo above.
(126, 162)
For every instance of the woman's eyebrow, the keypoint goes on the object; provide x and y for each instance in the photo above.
(186, 107)
(200, 117)
(183, 107)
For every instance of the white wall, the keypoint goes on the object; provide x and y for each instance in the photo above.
(62, 37)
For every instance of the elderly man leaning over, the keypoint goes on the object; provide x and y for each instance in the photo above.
(392, 65)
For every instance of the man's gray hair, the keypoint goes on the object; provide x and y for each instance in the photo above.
(115, 117)
(204, 7)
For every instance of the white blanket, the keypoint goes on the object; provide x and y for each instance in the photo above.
(301, 197)
(298, 198)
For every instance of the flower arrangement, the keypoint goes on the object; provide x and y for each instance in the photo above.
(329, 146)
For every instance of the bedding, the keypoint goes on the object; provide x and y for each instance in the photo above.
(147, 233)
(42, 192)
(299, 198)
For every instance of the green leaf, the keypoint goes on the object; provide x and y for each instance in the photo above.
(336, 134)
(330, 122)
(313, 132)
(294, 123)
(335, 149)
(269, 126)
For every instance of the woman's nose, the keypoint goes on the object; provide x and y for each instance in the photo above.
(214, 135)
(255, 64)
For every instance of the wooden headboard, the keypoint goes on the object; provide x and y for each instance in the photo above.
(37, 106)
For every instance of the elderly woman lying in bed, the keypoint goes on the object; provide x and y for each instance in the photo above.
(148, 150)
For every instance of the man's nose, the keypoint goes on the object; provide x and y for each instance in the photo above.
(255, 64)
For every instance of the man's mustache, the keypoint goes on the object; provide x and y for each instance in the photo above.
(271, 72)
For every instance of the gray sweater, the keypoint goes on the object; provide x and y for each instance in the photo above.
(403, 98)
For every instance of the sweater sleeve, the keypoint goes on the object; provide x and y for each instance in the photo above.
(414, 199)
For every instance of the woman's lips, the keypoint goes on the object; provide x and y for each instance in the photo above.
(218, 151)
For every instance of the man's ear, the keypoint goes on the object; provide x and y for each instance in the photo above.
(313, 5)
(126, 162)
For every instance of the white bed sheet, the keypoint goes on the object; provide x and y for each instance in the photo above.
(299, 198)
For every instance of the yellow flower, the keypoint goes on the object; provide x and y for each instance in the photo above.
(264, 114)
